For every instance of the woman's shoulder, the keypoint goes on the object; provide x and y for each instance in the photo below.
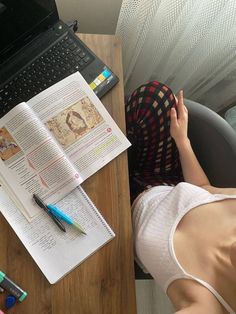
(219, 190)
(191, 297)
(209, 188)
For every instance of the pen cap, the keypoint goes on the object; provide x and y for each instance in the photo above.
(8, 285)
(10, 301)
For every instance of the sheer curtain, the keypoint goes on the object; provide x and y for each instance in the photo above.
(187, 44)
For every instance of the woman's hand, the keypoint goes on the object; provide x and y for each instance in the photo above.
(179, 121)
(192, 170)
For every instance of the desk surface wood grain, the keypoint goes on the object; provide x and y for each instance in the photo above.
(104, 283)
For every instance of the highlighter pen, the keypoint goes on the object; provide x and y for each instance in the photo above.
(60, 215)
(11, 287)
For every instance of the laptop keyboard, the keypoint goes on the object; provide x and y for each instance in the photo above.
(61, 60)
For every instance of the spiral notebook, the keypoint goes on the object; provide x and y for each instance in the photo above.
(57, 253)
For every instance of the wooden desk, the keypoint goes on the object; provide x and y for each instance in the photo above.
(104, 283)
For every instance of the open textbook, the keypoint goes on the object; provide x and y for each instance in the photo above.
(55, 141)
(55, 252)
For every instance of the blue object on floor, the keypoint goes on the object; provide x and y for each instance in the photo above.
(10, 301)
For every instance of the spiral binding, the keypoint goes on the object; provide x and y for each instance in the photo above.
(96, 211)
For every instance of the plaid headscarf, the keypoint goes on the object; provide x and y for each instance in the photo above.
(153, 156)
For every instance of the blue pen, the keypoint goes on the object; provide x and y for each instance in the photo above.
(60, 215)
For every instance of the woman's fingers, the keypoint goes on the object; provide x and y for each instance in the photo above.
(181, 98)
(173, 116)
(181, 107)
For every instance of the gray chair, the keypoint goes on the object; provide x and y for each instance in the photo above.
(214, 143)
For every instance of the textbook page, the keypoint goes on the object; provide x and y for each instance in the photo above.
(79, 122)
(32, 162)
(55, 252)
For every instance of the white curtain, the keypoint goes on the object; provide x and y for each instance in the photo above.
(187, 44)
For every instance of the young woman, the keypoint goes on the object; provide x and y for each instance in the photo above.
(184, 232)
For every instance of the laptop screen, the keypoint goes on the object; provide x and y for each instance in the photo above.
(21, 21)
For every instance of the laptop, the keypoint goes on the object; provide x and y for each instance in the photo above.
(37, 50)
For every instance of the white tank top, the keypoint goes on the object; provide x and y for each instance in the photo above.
(156, 215)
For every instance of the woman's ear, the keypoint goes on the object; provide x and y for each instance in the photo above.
(233, 254)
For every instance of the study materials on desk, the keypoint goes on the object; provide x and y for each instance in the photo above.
(54, 142)
(57, 253)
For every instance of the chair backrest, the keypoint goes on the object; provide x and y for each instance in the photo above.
(214, 143)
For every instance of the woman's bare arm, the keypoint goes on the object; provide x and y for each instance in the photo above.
(192, 170)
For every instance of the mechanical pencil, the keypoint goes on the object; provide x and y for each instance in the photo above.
(41, 204)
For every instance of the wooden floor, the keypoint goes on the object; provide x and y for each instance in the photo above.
(151, 299)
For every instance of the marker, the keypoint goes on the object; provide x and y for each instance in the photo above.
(7, 284)
(60, 215)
